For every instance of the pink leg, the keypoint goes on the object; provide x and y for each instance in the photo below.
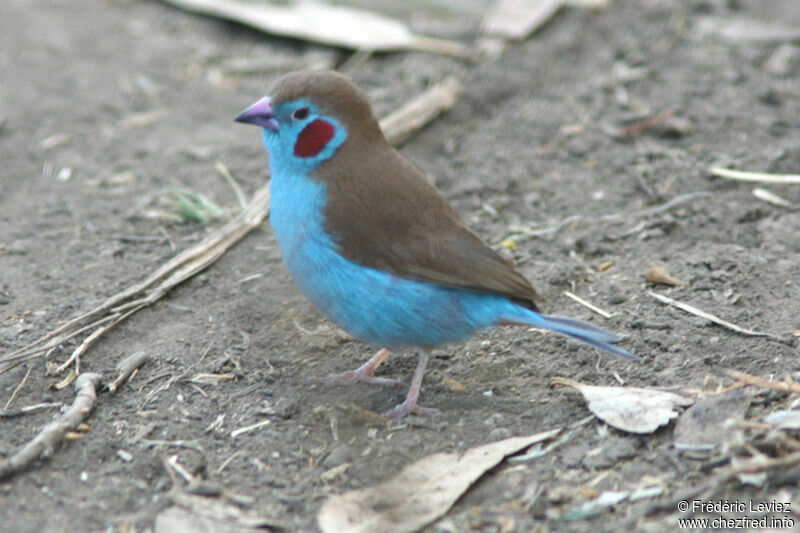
(410, 403)
(362, 374)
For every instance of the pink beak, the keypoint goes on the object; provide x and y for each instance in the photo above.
(259, 114)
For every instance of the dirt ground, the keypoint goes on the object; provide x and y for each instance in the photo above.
(108, 105)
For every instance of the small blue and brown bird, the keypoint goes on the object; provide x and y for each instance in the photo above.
(373, 244)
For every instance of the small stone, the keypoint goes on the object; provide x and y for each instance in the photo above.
(125, 455)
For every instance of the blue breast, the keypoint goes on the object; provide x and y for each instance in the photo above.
(374, 306)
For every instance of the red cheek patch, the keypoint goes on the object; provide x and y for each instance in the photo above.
(313, 138)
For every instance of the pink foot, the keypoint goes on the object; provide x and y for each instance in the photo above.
(362, 374)
(410, 405)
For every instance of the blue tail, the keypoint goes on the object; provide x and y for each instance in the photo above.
(582, 331)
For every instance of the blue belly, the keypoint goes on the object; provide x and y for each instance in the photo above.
(376, 307)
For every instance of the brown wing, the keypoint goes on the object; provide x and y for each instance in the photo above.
(384, 214)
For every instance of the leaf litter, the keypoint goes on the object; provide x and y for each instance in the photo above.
(629, 409)
(422, 492)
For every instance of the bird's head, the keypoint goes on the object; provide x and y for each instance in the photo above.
(308, 116)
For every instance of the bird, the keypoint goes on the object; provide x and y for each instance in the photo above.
(373, 244)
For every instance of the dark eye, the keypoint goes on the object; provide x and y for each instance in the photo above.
(300, 114)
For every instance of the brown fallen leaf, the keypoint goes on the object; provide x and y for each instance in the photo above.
(630, 409)
(659, 275)
(421, 493)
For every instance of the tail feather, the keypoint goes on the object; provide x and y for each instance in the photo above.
(584, 332)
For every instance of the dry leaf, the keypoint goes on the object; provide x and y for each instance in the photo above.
(421, 493)
(323, 23)
(453, 385)
(706, 424)
(67, 381)
(517, 19)
(659, 275)
(198, 514)
(784, 419)
(630, 409)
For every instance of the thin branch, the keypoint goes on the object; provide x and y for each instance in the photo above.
(19, 387)
(28, 409)
(127, 367)
(588, 305)
(406, 121)
(45, 442)
(237, 191)
(713, 318)
(756, 381)
(756, 177)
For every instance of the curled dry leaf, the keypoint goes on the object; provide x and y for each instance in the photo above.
(659, 275)
(630, 409)
(421, 493)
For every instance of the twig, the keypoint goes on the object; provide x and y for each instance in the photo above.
(172, 463)
(28, 409)
(91, 339)
(43, 444)
(19, 387)
(237, 191)
(192, 444)
(756, 381)
(227, 461)
(181, 267)
(588, 305)
(758, 177)
(659, 208)
(236, 432)
(713, 318)
(771, 198)
(126, 367)
(526, 232)
(406, 121)
(638, 127)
